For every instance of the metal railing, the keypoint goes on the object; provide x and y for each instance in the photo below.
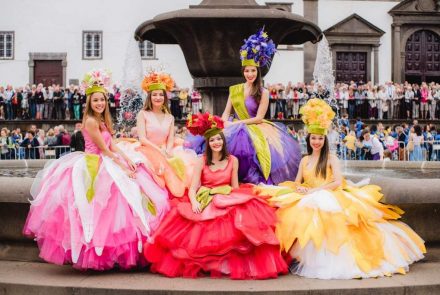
(428, 151)
(39, 152)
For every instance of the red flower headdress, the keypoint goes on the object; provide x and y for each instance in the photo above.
(205, 124)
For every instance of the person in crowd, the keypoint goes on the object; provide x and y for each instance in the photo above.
(58, 101)
(9, 94)
(428, 139)
(402, 139)
(5, 143)
(77, 102)
(16, 103)
(41, 137)
(29, 143)
(415, 143)
(39, 100)
(48, 102)
(390, 92)
(409, 101)
(373, 145)
(77, 143)
(416, 101)
(350, 145)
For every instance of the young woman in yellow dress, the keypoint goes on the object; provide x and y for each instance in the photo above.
(334, 230)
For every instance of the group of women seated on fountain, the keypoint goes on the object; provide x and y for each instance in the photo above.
(234, 199)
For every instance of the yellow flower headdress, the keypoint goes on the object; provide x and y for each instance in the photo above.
(157, 81)
(317, 115)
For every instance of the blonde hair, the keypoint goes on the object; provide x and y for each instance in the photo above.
(88, 112)
(148, 105)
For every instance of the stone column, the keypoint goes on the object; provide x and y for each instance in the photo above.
(310, 49)
(64, 65)
(396, 75)
(31, 65)
(376, 64)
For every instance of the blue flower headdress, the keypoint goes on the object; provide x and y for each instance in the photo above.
(257, 50)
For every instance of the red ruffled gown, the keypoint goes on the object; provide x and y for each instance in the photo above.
(233, 236)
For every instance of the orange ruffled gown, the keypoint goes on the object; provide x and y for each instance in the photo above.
(233, 236)
(173, 173)
(343, 233)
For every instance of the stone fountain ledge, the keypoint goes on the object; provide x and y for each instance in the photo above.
(21, 278)
(347, 163)
(395, 190)
(419, 198)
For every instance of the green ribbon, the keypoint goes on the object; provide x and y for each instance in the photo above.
(157, 86)
(205, 194)
(249, 62)
(94, 89)
(212, 132)
(92, 164)
(258, 139)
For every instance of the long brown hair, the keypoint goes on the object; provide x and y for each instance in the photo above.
(88, 112)
(321, 166)
(148, 105)
(208, 151)
(256, 85)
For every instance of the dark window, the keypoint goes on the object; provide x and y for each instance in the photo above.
(92, 45)
(6, 45)
(147, 49)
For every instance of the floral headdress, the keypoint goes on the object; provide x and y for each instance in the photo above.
(317, 115)
(257, 50)
(157, 81)
(205, 124)
(96, 81)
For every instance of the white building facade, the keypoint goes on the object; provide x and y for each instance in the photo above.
(59, 40)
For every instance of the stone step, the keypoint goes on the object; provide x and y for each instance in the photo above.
(19, 278)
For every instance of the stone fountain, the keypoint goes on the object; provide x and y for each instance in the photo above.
(210, 35)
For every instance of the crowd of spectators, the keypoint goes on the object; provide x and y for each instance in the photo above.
(358, 141)
(350, 141)
(367, 101)
(36, 102)
(38, 143)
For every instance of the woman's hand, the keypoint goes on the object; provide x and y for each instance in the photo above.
(302, 190)
(169, 153)
(131, 165)
(310, 191)
(228, 123)
(130, 173)
(196, 206)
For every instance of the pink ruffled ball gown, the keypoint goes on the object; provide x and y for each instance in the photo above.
(87, 212)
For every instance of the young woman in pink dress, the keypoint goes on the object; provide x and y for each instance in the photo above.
(219, 228)
(93, 209)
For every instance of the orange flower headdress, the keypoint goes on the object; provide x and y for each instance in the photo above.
(157, 81)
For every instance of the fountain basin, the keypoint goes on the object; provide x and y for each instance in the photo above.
(210, 35)
(419, 197)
